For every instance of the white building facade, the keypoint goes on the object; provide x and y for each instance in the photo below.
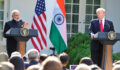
(78, 13)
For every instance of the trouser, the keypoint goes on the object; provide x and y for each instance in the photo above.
(96, 56)
(9, 51)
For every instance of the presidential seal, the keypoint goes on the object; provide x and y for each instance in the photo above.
(59, 19)
(24, 32)
(111, 35)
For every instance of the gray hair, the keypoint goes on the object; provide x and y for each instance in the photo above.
(99, 9)
(33, 54)
(13, 11)
(3, 56)
(51, 63)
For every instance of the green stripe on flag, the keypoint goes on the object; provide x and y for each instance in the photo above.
(57, 39)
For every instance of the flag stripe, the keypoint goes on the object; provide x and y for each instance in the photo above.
(38, 39)
(44, 28)
(33, 42)
(61, 6)
(39, 23)
(37, 43)
(39, 36)
(38, 27)
(44, 15)
(57, 39)
(58, 35)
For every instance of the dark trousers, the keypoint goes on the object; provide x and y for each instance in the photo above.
(11, 45)
(10, 50)
(96, 56)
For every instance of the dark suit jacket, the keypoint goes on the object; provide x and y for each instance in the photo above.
(95, 27)
(17, 62)
(33, 62)
(11, 42)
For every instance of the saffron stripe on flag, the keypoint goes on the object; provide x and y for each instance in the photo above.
(58, 33)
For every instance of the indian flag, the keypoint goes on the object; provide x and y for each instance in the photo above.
(58, 34)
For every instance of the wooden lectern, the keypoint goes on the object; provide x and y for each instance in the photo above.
(107, 39)
(22, 35)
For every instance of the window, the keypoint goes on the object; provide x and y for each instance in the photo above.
(72, 13)
(79, 13)
(1, 17)
(91, 6)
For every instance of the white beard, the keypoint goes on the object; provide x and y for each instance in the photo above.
(16, 19)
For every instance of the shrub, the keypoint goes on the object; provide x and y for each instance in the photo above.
(116, 56)
(78, 47)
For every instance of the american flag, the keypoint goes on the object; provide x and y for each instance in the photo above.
(39, 23)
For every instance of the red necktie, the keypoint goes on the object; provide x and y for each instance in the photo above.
(101, 26)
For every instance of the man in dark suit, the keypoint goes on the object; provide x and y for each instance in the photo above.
(16, 22)
(33, 58)
(99, 25)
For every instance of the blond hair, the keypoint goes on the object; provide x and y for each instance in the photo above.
(99, 9)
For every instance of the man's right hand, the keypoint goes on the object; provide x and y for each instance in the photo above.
(25, 25)
(92, 36)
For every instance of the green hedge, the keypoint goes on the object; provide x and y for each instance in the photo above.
(116, 56)
(78, 47)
